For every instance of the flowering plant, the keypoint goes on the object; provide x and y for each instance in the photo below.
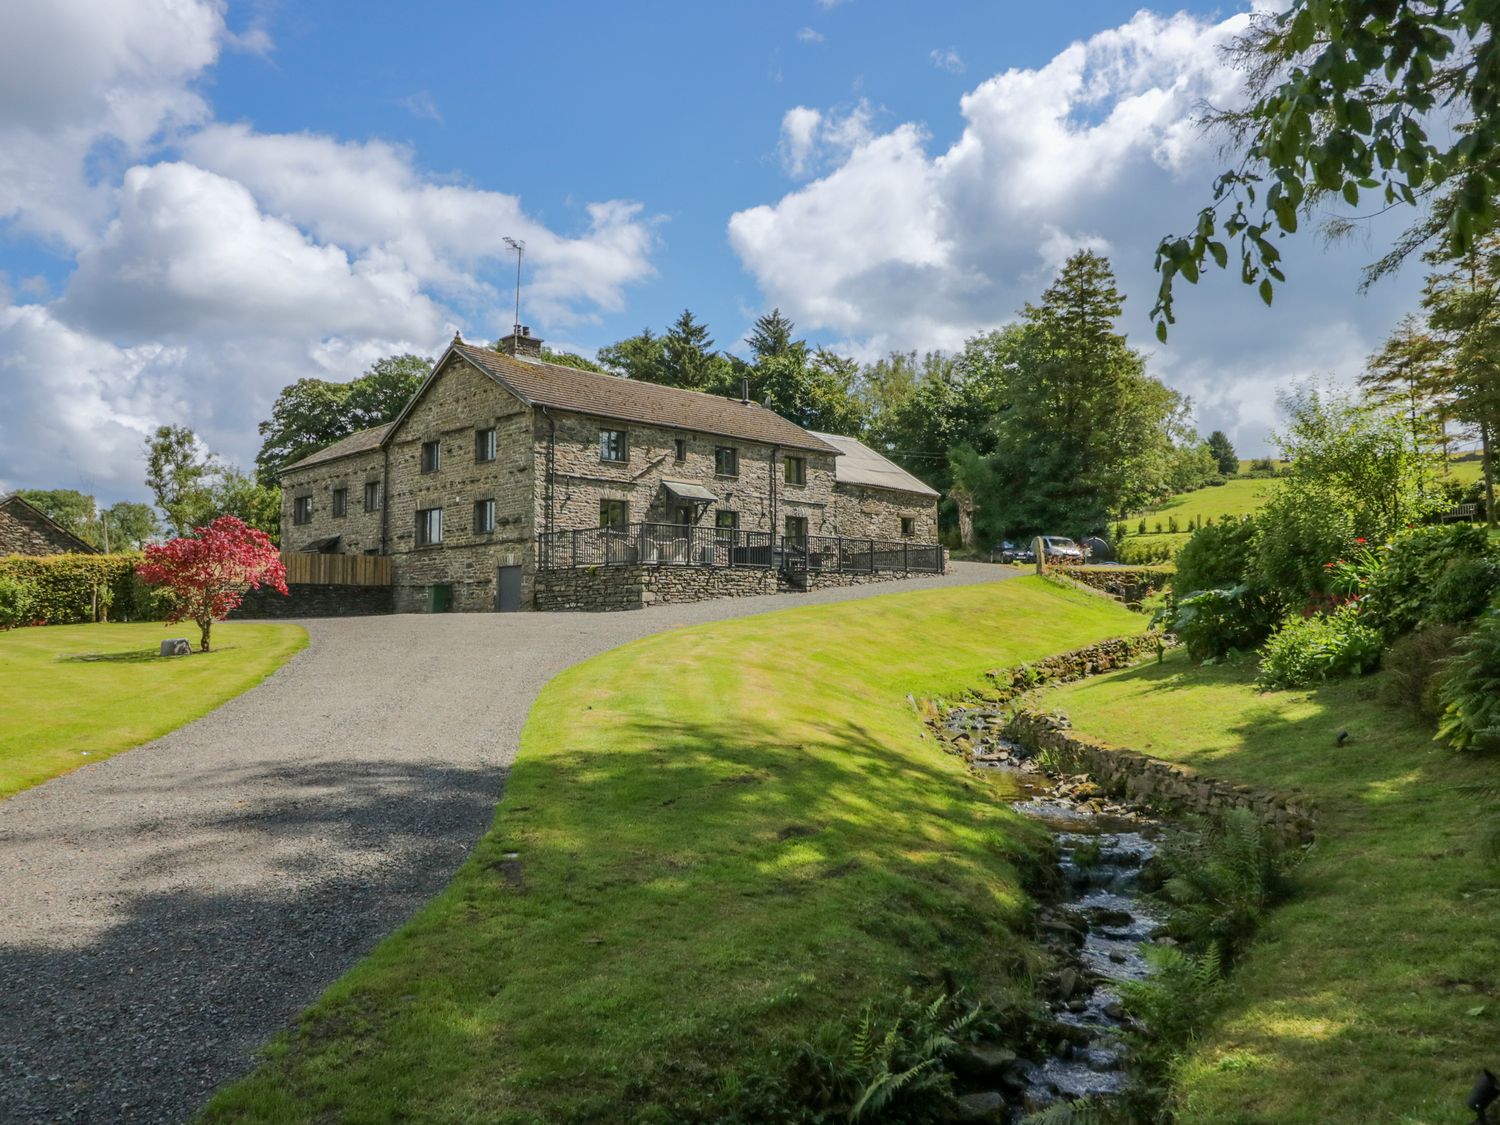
(1350, 577)
(207, 574)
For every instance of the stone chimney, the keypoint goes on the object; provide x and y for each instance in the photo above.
(521, 342)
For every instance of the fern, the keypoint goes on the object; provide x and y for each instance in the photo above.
(1069, 1113)
(1177, 1000)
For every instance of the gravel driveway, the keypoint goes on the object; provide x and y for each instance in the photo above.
(164, 912)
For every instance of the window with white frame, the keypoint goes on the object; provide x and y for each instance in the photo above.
(340, 501)
(432, 456)
(429, 527)
(484, 516)
(726, 461)
(613, 446)
(302, 510)
(484, 445)
(374, 495)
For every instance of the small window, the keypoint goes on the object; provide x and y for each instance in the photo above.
(727, 461)
(908, 527)
(614, 513)
(302, 510)
(796, 527)
(484, 515)
(679, 447)
(728, 521)
(796, 470)
(484, 445)
(432, 456)
(374, 495)
(340, 501)
(429, 527)
(612, 446)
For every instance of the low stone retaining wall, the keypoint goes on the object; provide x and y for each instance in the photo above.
(1118, 652)
(637, 586)
(1140, 777)
(308, 600)
(1132, 585)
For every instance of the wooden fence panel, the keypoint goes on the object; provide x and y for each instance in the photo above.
(337, 570)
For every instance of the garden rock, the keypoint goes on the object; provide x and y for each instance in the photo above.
(985, 1106)
(177, 646)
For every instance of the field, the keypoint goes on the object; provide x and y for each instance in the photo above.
(76, 694)
(713, 841)
(1374, 994)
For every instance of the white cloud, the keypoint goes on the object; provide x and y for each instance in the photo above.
(891, 246)
(947, 59)
(421, 105)
(808, 35)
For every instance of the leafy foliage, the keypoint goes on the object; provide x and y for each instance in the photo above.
(207, 575)
(1226, 460)
(1181, 995)
(1213, 623)
(1413, 585)
(76, 589)
(1322, 646)
(1415, 666)
(1217, 556)
(16, 601)
(1471, 689)
(180, 474)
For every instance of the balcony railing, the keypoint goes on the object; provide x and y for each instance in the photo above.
(667, 544)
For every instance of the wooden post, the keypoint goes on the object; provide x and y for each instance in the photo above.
(1039, 549)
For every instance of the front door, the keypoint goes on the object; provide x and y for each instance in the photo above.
(441, 598)
(682, 515)
(509, 597)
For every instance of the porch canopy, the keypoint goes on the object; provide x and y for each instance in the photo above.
(689, 493)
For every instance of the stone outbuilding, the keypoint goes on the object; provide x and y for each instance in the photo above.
(503, 466)
(27, 530)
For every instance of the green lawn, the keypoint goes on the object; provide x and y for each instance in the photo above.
(76, 694)
(1374, 994)
(713, 840)
(1237, 497)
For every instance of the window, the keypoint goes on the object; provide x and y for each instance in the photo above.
(796, 527)
(614, 513)
(612, 446)
(682, 515)
(484, 445)
(727, 461)
(908, 527)
(340, 501)
(432, 456)
(796, 470)
(726, 520)
(429, 527)
(302, 509)
(374, 495)
(679, 447)
(484, 515)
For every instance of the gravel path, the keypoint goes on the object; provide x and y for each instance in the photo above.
(164, 912)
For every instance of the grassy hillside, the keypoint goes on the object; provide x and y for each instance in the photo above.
(1237, 497)
(1374, 994)
(713, 840)
(76, 694)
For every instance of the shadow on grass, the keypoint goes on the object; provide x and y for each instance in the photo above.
(138, 656)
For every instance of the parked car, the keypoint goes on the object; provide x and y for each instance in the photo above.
(1007, 552)
(1062, 548)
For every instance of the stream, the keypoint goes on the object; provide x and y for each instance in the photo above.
(1096, 928)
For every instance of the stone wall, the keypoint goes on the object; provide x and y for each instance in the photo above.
(1118, 652)
(877, 513)
(23, 532)
(459, 403)
(1140, 777)
(305, 600)
(359, 528)
(1131, 585)
(583, 480)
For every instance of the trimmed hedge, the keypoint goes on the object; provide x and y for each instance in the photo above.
(76, 589)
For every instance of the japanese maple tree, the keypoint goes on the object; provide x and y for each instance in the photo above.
(208, 573)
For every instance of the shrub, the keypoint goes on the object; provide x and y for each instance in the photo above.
(1213, 623)
(1414, 669)
(1404, 593)
(1470, 692)
(1462, 592)
(1298, 531)
(1158, 527)
(1172, 527)
(17, 600)
(1139, 552)
(74, 589)
(1216, 556)
(1119, 533)
(1324, 646)
(1141, 528)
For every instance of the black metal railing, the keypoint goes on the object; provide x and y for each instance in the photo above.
(668, 544)
(843, 554)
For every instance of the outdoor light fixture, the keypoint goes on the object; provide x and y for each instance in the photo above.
(1482, 1096)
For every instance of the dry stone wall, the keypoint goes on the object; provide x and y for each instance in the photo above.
(1130, 584)
(308, 600)
(1118, 652)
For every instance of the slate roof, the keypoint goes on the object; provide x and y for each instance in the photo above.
(610, 396)
(859, 464)
(361, 441)
(16, 498)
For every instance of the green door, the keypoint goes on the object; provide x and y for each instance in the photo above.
(441, 599)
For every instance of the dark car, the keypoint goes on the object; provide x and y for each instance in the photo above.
(1007, 552)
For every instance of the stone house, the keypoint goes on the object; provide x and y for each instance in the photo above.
(501, 462)
(27, 530)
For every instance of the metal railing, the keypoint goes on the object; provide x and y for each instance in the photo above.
(668, 544)
(843, 554)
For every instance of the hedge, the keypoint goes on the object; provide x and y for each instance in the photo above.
(66, 588)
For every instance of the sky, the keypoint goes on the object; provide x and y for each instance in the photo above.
(211, 200)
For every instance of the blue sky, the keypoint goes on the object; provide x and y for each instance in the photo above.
(217, 199)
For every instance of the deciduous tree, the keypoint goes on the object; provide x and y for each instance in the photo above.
(207, 574)
(180, 474)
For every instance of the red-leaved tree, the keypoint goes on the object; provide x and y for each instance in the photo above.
(207, 574)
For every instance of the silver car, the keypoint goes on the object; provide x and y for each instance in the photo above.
(1063, 548)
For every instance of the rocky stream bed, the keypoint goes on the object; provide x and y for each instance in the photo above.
(1096, 929)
